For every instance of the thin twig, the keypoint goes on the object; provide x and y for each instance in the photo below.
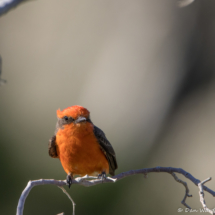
(73, 203)
(186, 190)
(201, 194)
(95, 181)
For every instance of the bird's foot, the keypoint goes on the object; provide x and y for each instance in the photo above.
(69, 178)
(102, 176)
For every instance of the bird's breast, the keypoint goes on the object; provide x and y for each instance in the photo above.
(81, 154)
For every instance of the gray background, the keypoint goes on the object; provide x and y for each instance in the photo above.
(145, 71)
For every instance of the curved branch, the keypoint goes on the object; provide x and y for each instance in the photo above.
(28, 188)
(183, 202)
(73, 203)
(88, 181)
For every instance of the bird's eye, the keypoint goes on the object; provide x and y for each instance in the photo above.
(66, 118)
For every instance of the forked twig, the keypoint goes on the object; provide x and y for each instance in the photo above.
(201, 194)
(186, 190)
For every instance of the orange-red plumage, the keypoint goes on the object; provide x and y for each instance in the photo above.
(79, 151)
(78, 147)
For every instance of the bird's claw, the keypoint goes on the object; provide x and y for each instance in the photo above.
(102, 176)
(69, 179)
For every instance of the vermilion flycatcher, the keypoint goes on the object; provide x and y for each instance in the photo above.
(81, 146)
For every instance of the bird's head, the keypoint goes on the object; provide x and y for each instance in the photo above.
(77, 116)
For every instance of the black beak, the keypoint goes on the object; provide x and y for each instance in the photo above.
(80, 119)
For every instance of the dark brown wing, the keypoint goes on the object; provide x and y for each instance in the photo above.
(107, 149)
(52, 147)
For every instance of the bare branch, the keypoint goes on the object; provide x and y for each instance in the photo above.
(73, 203)
(186, 190)
(88, 181)
(201, 194)
(28, 188)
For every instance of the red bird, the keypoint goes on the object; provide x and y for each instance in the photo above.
(81, 146)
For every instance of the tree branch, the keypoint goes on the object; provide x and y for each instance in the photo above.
(88, 181)
(73, 203)
(183, 202)
(201, 194)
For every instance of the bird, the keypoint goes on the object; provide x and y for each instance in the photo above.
(82, 147)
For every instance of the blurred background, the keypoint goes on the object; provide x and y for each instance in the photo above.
(144, 69)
